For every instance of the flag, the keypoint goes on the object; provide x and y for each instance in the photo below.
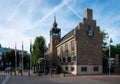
(22, 47)
(30, 46)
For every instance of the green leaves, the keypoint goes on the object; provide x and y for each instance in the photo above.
(105, 38)
(38, 49)
(9, 57)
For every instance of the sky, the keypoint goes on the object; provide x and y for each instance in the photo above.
(23, 20)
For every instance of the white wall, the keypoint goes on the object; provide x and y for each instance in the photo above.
(69, 69)
(77, 69)
(89, 69)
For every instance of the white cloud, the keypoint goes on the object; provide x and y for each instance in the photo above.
(55, 9)
(26, 19)
(18, 25)
(15, 12)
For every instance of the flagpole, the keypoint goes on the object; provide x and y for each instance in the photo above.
(109, 58)
(109, 61)
(22, 58)
(30, 57)
(15, 57)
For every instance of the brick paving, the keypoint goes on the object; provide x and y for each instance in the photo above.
(57, 79)
(51, 80)
(110, 79)
(2, 77)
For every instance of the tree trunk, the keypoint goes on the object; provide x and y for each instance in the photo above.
(33, 68)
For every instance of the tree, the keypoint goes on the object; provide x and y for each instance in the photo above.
(118, 49)
(38, 50)
(105, 38)
(105, 51)
(115, 49)
(26, 61)
(9, 58)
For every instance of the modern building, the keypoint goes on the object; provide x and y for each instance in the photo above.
(4, 49)
(80, 50)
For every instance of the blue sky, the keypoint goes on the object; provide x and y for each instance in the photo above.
(22, 20)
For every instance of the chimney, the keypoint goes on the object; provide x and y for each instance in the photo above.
(89, 14)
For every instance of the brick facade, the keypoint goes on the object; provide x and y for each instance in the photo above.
(80, 50)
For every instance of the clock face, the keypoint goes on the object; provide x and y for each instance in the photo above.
(90, 31)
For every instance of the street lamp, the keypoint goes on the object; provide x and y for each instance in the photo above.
(109, 61)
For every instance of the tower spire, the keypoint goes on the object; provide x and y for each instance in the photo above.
(55, 23)
(54, 18)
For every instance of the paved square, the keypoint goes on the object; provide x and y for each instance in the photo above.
(91, 79)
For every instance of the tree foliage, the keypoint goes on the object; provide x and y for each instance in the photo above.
(115, 49)
(105, 38)
(118, 49)
(9, 58)
(105, 51)
(26, 61)
(38, 49)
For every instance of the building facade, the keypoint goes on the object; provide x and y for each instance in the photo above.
(4, 63)
(80, 50)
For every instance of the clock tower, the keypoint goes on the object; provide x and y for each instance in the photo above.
(55, 36)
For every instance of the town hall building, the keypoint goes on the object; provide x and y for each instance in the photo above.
(80, 50)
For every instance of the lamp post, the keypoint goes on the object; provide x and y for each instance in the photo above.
(109, 61)
(22, 59)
